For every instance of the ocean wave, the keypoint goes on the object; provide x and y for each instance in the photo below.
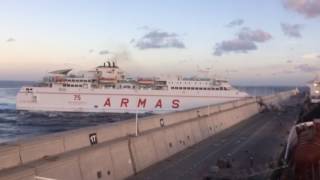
(7, 106)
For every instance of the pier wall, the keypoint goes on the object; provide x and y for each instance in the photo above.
(113, 152)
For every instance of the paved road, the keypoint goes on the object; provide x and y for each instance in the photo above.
(252, 143)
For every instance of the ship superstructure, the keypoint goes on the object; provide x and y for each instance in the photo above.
(107, 89)
(315, 90)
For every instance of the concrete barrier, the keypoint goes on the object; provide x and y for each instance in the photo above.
(19, 173)
(40, 147)
(172, 141)
(161, 145)
(66, 168)
(196, 131)
(96, 164)
(188, 134)
(144, 152)
(9, 156)
(122, 159)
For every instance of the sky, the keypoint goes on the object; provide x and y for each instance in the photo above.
(249, 42)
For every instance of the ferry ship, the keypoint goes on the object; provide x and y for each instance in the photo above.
(107, 89)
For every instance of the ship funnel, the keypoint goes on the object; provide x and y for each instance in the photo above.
(113, 64)
(109, 64)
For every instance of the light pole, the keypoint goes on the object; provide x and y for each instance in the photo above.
(137, 125)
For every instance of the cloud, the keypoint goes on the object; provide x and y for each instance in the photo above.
(289, 61)
(231, 71)
(10, 40)
(308, 8)
(245, 41)
(236, 22)
(144, 28)
(235, 45)
(311, 56)
(91, 50)
(287, 72)
(156, 39)
(254, 35)
(104, 52)
(291, 30)
(307, 68)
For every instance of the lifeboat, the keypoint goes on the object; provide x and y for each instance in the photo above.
(143, 81)
(108, 80)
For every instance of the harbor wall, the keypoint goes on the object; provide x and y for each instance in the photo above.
(117, 153)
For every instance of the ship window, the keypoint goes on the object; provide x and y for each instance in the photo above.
(64, 85)
(180, 88)
(184, 88)
(188, 88)
(192, 88)
(224, 88)
(196, 88)
(175, 87)
(204, 88)
(200, 88)
(221, 88)
(172, 87)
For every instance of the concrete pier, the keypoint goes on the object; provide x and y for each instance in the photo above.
(114, 152)
(250, 149)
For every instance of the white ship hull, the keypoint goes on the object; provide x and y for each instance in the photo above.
(118, 101)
